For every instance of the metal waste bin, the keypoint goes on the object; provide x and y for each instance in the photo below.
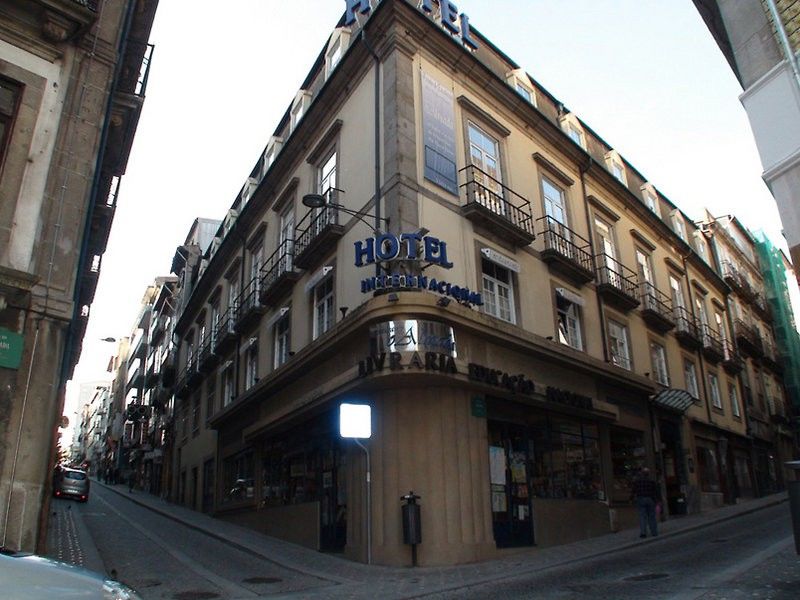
(412, 524)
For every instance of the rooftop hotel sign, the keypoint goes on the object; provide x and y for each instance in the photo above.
(390, 248)
(451, 21)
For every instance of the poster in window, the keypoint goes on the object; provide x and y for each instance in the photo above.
(439, 134)
(518, 473)
(497, 465)
(499, 501)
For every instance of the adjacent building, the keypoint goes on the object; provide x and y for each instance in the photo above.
(72, 81)
(760, 40)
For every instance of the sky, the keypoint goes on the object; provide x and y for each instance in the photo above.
(646, 75)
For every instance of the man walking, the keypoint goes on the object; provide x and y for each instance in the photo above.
(645, 494)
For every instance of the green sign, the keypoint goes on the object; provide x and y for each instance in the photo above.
(10, 349)
(478, 407)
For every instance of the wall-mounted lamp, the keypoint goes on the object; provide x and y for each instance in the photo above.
(319, 200)
(343, 310)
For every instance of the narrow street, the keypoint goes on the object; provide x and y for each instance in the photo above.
(159, 557)
(744, 551)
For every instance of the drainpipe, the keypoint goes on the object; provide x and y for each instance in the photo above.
(590, 230)
(785, 46)
(377, 149)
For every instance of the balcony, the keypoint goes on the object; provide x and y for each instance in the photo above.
(168, 370)
(738, 282)
(566, 252)
(490, 204)
(225, 331)
(748, 339)
(616, 283)
(278, 274)
(208, 353)
(194, 376)
(686, 329)
(656, 308)
(713, 349)
(158, 330)
(182, 388)
(732, 361)
(249, 305)
(771, 357)
(317, 233)
(761, 306)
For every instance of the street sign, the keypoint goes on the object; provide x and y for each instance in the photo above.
(10, 349)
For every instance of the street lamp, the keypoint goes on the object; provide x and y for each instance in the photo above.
(320, 200)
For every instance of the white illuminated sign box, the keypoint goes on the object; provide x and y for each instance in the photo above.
(355, 421)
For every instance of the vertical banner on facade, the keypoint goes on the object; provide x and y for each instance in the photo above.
(439, 134)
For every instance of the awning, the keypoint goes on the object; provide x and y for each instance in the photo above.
(678, 400)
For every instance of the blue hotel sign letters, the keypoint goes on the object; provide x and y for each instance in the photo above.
(389, 247)
(453, 23)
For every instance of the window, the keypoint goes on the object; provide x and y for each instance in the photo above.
(238, 481)
(524, 91)
(702, 315)
(211, 397)
(484, 154)
(618, 342)
(575, 134)
(659, 359)
(282, 340)
(251, 365)
(323, 307)
(678, 225)
(555, 205)
(297, 112)
(327, 174)
(9, 101)
(196, 415)
(286, 240)
(334, 55)
(734, 399)
(228, 390)
(617, 171)
(700, 246)
(498, 291)
(233, 295)
(713, 385)
(690, 377)
(676, 290)
(652, 203)
(644, 268)
(569, 322)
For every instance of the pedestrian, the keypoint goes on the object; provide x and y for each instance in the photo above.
(131, 480)
(645, 493)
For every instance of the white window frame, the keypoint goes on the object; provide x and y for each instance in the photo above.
(494, 288)
(251, 365)
(618, 171)
(575, 134)
(678, 226)
(283, 331)
(227, 386)
(690, 378)
(569, 321)
(524, 91)
(324, 306)
(652, 203)
(658, 358)
(713, 388)
(618, 344)
(733, 397)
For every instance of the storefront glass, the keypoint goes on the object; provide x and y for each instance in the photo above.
(708, 469)
(238, 478)
(627, 459)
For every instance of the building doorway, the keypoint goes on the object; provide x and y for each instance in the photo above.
(512, 515)
(672, 467)
(208, 486)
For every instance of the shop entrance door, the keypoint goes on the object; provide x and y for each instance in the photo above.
(333, 501)
(512, 517)
(672, 467)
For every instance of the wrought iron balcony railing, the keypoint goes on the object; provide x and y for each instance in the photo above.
(278, 273)
(748, 338)
(686, 329)
(496, 206)
(249, 305)
(656, 307)
(616, 282)
(318, 231)
(566, 251)
(712, 344)
(225, 330)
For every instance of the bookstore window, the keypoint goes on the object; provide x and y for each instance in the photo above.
(238, 478)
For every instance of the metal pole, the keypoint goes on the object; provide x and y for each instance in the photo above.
(369, 504)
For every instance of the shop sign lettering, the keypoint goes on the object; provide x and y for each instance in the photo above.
(513, 383)
(398, 282)
(389, 247)
(451, 21)
(396, 361)
(568, 398)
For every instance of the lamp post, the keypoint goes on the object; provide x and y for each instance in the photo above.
(319, 200)
(355, 422)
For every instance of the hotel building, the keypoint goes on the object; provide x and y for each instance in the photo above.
(432, 233)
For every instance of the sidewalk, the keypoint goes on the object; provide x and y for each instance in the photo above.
(355, 580)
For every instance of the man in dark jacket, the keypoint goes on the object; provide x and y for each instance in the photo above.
(645, 494)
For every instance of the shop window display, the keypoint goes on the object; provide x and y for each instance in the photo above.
(627, 459)
(238, 478)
